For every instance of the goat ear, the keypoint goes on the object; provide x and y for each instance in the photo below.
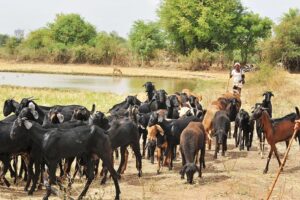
(168, 102)
(31, 105)
(264, 94)
(272, 94)
(27, 124)
(34, 113)
(60, 117)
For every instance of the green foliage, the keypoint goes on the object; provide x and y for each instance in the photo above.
(200, 60)
(110, 47)
(200, 24)
(11, 45)
(71, 29)
(38, 39)
(3, 39)
(251, 29)
(145, 38)
(59, 53)
(285, 46)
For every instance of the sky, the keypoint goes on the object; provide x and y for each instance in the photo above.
(106, 15)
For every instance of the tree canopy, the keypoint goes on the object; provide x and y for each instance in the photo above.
(145, 37)
(71, 29)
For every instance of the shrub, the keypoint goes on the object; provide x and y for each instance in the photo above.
(79, 54)
(200, 60)
(59, 53)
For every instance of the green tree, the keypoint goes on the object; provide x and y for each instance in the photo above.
(71, 29)
(145, 38)
(110, 46)
(250, 30)
(291, 14)
(38, 39)
(200, 24)
(287, 37)
(11, 44)
(3, 39)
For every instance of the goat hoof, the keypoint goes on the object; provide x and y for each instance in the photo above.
(40, 187)
(25, 189)
(30, 193)
(140, 174)
(103, 181)
(158, 172)
(265, 171)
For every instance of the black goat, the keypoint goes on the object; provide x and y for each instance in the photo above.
(57, 144)
(266, 103)
(124, 105)
(221, 126)
(10, 106)
(150, 90)
(243, 130)
(159, 100)
(122, 133)
(172, 107)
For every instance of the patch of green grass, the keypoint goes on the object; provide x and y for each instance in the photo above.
(44, 96)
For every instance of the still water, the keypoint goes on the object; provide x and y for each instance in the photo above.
(118, 85)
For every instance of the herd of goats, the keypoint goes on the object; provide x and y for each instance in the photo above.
(51, 138)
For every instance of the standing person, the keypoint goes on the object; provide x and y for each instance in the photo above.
(238, 78)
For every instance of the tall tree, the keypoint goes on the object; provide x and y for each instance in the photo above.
(71, 29)
(145, 38)
(250, 30)
(200, 24)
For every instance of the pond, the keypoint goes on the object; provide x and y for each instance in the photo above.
(118, 85)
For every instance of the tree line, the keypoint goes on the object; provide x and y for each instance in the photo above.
(194, 34)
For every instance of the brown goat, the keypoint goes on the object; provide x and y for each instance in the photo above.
(214, 107)
(156, 140)
(281, 130)
(192, 140)
(220, 104)
(189, 93)
(297, 125)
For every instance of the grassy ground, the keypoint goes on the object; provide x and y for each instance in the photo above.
(236, 176)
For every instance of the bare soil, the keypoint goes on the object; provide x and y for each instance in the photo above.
(238, 175)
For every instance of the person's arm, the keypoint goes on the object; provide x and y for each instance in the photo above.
(243, 77)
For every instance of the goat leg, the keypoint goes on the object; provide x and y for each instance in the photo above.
(90, 176)
(268, 161)
(108, 163)
(138, 158)
(277, 156)
(158, 156)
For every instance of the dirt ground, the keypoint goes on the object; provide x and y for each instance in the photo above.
(238, 175)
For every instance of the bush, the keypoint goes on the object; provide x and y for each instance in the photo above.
(79, 54)
(59, 53)
(27, 54)
(200, 60)
(94, 56)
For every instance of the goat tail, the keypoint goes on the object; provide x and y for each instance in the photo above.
(297, 112)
